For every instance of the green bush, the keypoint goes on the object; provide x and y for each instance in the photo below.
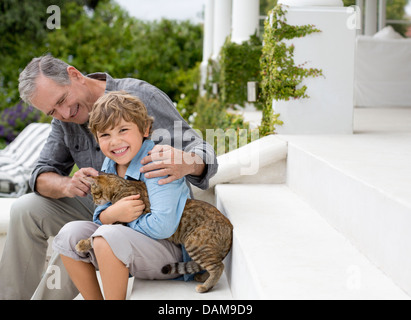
(281, 77)
(239, 64)
(221, 129)
(99, 37)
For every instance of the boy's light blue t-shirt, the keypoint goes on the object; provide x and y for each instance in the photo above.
(167, 201)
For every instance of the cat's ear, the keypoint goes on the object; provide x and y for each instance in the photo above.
(90, 179)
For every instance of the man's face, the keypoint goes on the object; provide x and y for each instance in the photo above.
(70, 103)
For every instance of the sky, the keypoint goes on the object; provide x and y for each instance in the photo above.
(174, 9)
(170, 9)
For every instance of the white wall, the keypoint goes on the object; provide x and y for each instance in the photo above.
(330, 106)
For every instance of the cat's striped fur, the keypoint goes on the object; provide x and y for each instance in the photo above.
(203, 230)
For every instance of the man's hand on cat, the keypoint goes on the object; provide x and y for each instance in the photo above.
(78, 185)
(125, 210)
(164, 160)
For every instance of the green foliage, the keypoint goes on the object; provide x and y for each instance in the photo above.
(396, 11)
(281, 78)
(110, 40)
(225, 131)
(98, 37)
(348, 3)
(188, 84)
(267, 5)
(23, 32)
(239, 63)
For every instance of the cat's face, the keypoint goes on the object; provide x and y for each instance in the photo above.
(99, 186)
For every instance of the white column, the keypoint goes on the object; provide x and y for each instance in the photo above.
(246, 15)
(222, 25)
(208, 30)
(207, 42)
(382, 14)
(360, 4)
(370, 27)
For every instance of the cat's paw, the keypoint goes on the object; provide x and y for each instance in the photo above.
(83, 245)
(202, 288)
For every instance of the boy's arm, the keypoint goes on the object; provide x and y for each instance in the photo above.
(125, 210)
(167, 203)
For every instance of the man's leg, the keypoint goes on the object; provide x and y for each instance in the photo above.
(33, 219)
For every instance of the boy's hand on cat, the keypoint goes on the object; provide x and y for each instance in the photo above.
(78, 185)
(125, 210)
(164, 160)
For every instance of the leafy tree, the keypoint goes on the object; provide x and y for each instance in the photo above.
(267, 5)
(23, 31)
(95, 35)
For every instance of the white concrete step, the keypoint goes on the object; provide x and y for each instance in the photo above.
(172, 290)
(5, 205)
(283, 249)
(361, 184)
(178, 290)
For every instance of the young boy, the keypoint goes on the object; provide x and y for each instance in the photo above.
(121, 125)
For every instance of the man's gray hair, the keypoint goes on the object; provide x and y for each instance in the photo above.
(52, 68)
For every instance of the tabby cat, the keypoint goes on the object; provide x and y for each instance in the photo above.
(203, 230)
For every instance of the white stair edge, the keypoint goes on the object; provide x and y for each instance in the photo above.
(178, 290)
(261, 161)
(377, 223)
(283, 249)
(249, 159)
(139, 289)
(5, 205)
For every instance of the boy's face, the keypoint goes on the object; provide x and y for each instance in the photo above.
(122, 143)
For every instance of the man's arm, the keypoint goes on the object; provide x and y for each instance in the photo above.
(171, 129)
(50, 177)
(53, 185)
(173, 163)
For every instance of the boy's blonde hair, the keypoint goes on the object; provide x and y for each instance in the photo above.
(111, 108)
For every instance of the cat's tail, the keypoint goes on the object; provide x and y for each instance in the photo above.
(190, 267)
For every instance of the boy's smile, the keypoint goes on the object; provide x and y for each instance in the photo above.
(121, 144)
(120, 152)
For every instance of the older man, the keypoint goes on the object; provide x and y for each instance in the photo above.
(61, 91)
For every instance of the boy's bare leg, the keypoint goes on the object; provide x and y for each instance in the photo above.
(113, 272)
(84, 277)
